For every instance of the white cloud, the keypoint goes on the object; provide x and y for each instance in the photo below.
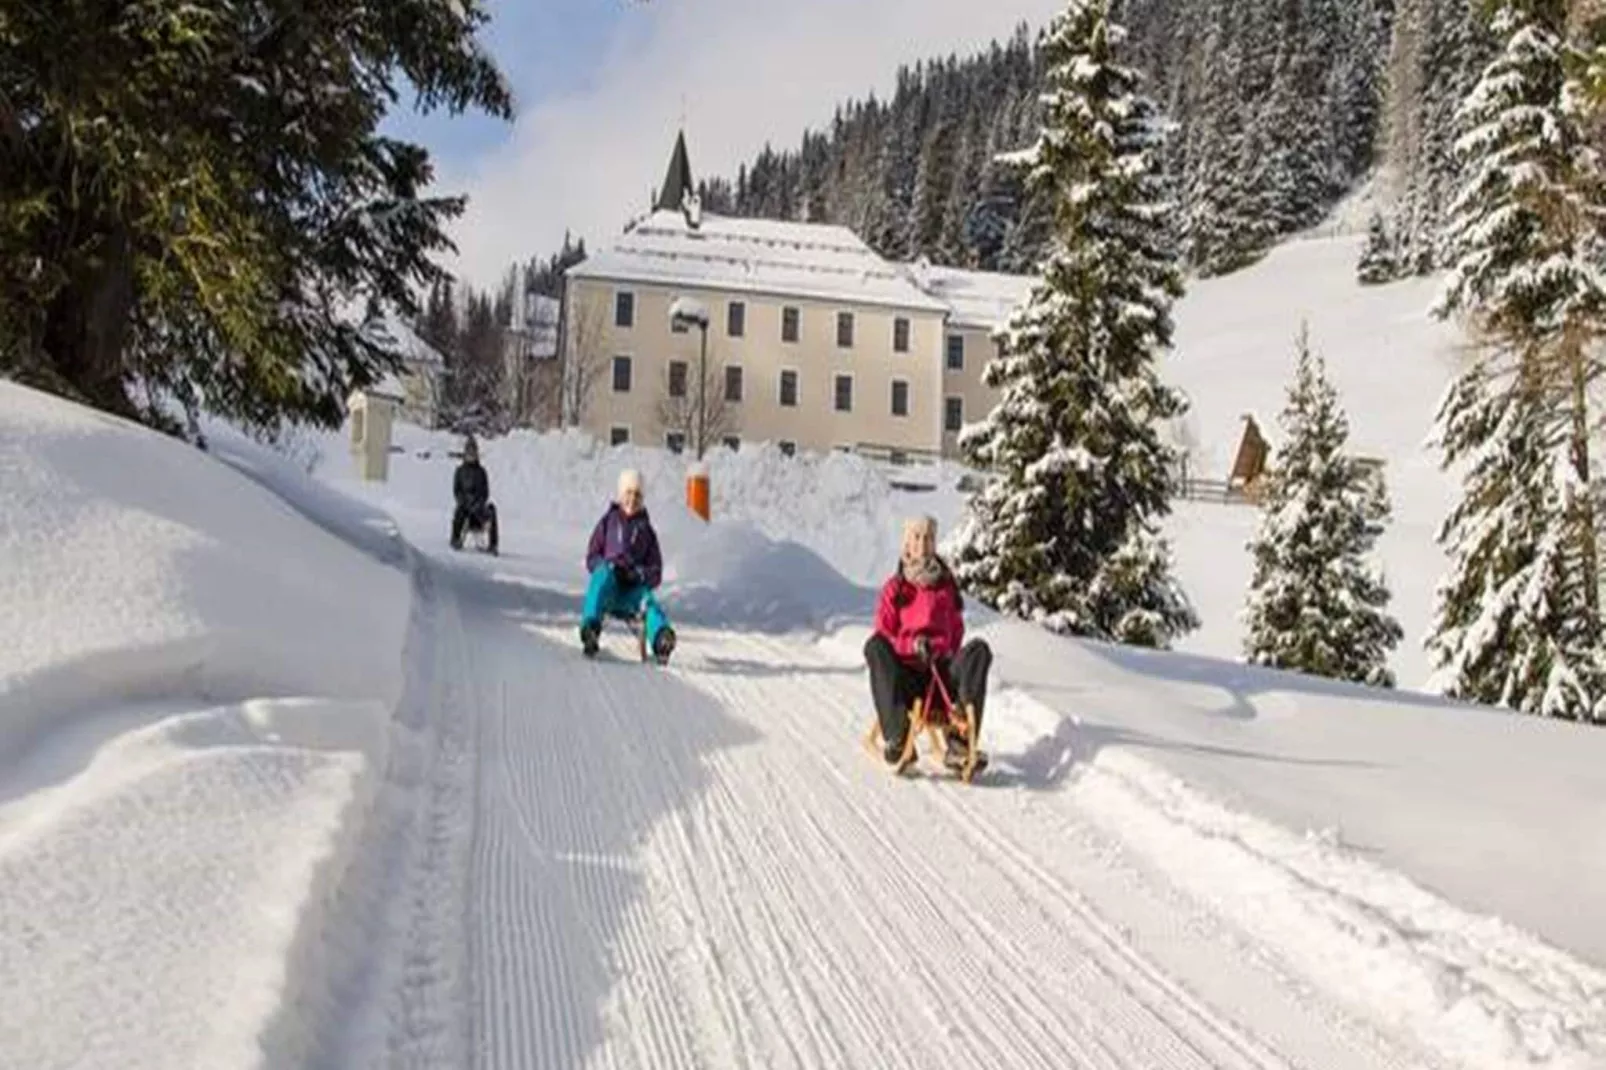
(749, 71)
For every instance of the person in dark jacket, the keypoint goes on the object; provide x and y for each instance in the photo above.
(919, 630)
(626, 567)
(471, 488)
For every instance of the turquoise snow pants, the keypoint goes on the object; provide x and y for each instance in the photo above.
(606, 595)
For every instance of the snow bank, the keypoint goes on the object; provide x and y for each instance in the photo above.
(550, 486)
(1474, 989)
(195, 688)
(731, 576)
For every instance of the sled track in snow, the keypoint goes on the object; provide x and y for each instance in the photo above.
(700, 867)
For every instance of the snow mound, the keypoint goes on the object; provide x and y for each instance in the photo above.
(840, 506)
(195, 692)
(133, 566)
(732, 576)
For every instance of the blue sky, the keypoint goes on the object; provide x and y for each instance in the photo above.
(603, 85)
(544, 47)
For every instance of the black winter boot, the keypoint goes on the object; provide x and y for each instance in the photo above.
(663, 644)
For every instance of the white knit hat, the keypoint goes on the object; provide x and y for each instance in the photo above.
(916, 526)
(629, 479)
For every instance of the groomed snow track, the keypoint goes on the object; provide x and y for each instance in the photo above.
(605, 863)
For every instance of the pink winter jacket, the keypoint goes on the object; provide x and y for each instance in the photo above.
(907, 610)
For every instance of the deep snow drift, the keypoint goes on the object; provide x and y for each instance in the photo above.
(194, 689)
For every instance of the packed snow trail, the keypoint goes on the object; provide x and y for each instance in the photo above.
(700, 866)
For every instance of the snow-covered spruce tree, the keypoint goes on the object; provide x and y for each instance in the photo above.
(1518, 619)
(1379, 261)
(1066, 533)
(1315, 603)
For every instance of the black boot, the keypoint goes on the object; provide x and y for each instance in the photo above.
(663, 644)
(589, 633)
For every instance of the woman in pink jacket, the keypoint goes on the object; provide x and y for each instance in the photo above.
(920, 629)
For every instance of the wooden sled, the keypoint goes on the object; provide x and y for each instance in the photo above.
(935, 715)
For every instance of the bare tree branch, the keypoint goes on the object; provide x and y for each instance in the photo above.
(583, 363)
(678, 414)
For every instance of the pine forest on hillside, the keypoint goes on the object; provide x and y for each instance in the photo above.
(1277, 109)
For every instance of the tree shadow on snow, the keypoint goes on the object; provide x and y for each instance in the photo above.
(590, 758)
(1245, 682)
(1050, 760)
(545, 849)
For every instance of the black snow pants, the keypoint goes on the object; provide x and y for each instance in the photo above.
(895, 684)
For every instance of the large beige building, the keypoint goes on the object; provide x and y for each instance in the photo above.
(813, 341)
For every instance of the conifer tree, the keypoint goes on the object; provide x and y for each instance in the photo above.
(1067, 532)
(1518, 617)
(1379, 261)
(1315, 603)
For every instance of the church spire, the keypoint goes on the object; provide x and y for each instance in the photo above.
(677, 183)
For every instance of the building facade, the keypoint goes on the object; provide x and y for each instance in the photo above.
(812, 340)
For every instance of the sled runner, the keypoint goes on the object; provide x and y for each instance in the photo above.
(477, 538)
(937, 716)
(590, 642)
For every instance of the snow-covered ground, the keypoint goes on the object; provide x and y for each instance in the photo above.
(284, 781)
(195, 685)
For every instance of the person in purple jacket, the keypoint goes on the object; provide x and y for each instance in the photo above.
(625, 566)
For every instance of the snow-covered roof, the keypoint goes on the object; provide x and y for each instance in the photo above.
(980, 299)
(390, 332)
(805, 260)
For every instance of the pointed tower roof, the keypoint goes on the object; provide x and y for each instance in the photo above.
(677, 183)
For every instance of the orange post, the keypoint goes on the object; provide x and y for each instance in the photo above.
(697, 493)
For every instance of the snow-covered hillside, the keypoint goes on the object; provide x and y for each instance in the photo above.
(1390, 363)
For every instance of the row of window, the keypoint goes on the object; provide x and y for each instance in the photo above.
(735, 383)
(624, 315)
(675, 441)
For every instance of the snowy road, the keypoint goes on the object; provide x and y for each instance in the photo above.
(627, 866)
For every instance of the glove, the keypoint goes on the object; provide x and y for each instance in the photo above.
(923, 648)
(625, 575)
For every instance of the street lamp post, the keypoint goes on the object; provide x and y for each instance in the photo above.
(689, 313)
(702, 391)
(685, 313)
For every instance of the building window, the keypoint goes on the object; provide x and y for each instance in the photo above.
(619, 435)
(732, 443)
(844, 330)
(679, 326)
(624, 309)
(736, 319)
(733, 382)
(900, 335)
(789, 325)
(789, 390)
(788, 449)
(953, 414)
(675, 442)
(956, 352)
(677, 378)
(900, 397)
(621, 375)
(844, 393)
